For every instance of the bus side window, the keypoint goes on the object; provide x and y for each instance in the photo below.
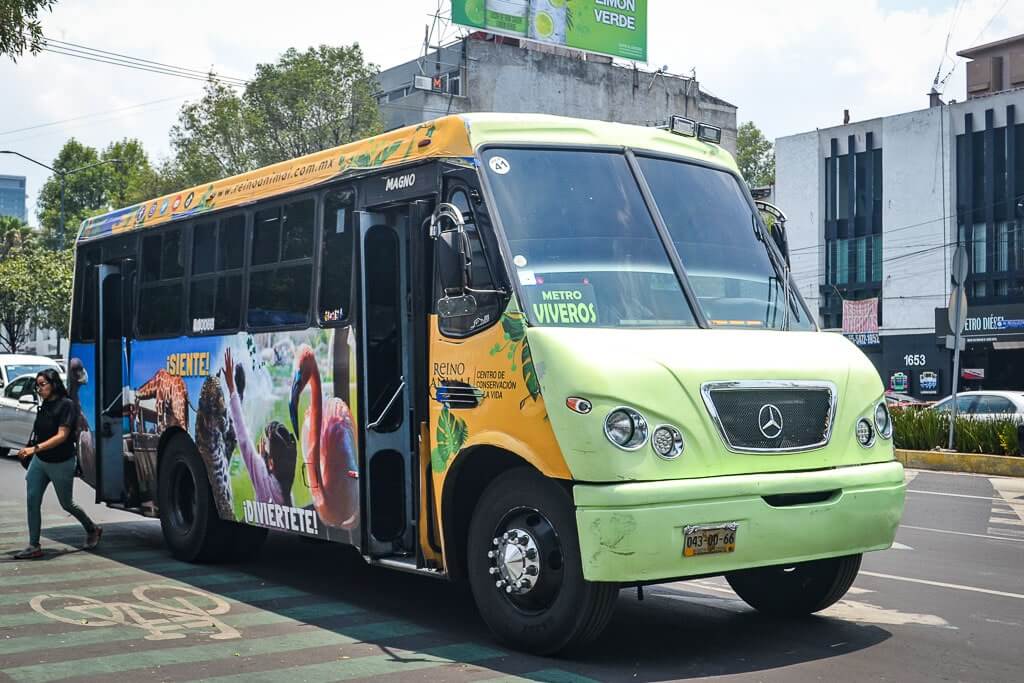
(488, 305)
(336, 259)
(161, 297)
(281, 272)
(215, 301)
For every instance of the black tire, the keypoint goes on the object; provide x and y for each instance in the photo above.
(796, 590)
(562, 610)
(188, 515)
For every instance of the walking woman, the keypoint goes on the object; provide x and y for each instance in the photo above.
(52, 455)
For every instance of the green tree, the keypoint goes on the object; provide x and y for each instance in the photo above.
(14, 236)
(35, 287)
(132, 181)
(20, 29)
(94, 190)
(755, 156)
(306, 102)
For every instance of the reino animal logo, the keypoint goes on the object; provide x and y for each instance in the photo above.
(400, 182)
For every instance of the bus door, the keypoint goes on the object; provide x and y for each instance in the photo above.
(112, 365)
(386, 381)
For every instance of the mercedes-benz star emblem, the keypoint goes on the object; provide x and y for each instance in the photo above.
(769, 421)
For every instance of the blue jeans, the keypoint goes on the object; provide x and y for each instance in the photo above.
(38, 477)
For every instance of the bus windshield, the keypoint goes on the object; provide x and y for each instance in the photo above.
(586, 251)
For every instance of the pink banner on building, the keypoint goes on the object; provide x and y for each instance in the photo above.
(860, 321)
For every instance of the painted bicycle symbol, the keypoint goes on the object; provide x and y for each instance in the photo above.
(165, 611)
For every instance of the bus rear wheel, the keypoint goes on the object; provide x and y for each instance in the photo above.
(796, 590)
(525, 569)
(188, 515)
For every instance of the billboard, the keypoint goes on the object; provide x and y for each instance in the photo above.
(617, 28)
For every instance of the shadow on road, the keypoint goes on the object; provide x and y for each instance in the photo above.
(673, 633)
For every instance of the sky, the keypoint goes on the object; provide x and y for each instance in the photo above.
(789, 65)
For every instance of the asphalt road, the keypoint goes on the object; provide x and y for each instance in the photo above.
(947, 603)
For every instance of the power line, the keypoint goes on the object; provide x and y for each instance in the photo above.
(93, 115)
(137, 67)
(106, 53)
(85, 52)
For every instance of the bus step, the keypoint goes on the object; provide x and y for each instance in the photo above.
(406, 564)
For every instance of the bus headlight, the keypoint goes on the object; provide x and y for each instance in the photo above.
(865, 434)
(626, 428)
(667, 442)
(883, 421)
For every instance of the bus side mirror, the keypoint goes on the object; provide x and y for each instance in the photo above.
(448, 229)
(775, 221)
(778, 233)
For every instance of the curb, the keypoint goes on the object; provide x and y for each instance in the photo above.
(974, 463)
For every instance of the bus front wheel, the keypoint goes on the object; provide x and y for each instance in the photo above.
(796, 590)
(525, 569)
(188, 514)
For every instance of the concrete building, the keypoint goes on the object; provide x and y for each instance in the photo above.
(12, 196)
(483, 72)
(876, 209)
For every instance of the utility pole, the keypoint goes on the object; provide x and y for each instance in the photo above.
(63, 181)
(63, 175)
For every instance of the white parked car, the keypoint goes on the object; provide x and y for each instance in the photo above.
(18, 405)
(985, 405)
(16, 364)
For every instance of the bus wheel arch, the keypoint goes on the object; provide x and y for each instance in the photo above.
(471, 471)
(524, 566)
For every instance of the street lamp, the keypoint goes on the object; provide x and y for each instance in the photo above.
(63, 177)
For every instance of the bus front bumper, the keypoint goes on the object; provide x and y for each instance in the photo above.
(633, 532)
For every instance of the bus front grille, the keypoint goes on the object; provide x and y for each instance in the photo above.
(771, 416)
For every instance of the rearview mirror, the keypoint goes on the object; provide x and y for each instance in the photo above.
(448, 229)
(775, 221)
(29, 398)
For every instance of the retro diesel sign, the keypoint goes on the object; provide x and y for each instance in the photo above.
(986, 323)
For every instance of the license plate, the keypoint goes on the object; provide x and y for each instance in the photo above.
(707, 539)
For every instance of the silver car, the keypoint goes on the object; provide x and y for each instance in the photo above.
(18, 405)
(985, 405)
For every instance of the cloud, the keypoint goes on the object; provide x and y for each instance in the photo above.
(790, 66)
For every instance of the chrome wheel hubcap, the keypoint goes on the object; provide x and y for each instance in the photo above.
(515, 562)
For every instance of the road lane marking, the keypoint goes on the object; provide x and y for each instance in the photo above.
(954, 495)
(866, 613)
(300, 615)
(270, 644)
(164, 611)
(942, 584)
(959, 533)
(1006, 520)
(900, 546)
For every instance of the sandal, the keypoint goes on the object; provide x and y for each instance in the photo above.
(33, 552)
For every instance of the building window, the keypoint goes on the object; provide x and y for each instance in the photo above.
(853, 226)
(1002, 248)
(978, 249)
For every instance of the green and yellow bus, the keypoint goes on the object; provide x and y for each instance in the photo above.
(553, 357)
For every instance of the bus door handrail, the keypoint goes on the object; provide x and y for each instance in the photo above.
(387, 409)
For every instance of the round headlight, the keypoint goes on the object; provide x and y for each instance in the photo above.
(667, 442)
(883, 422)
(865, 434)
(626, 428)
